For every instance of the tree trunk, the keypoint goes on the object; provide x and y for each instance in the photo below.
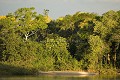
(108, 58)
(115, 52)
(26, 37)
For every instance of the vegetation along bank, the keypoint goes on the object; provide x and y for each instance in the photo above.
(32, 42)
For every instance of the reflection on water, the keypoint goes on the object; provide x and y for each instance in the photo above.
(61, 77)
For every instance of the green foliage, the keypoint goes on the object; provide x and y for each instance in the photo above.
(98, 49)
(56, 47)
(27, 22)
(108, 22)
(82, 41)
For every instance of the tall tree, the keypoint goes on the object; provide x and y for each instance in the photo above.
(28, 22)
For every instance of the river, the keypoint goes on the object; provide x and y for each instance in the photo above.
(58, 77)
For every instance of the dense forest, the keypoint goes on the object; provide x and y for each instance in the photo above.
(32, 42)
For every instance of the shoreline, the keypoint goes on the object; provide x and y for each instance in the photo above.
(77, 73)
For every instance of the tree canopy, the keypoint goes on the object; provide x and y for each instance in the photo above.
(82, 41)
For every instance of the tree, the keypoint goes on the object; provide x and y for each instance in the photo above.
(107, 27)
(84, 41)
(56, 47)
(45, 12)
(13, 29)
(98, 49)
(27, 22)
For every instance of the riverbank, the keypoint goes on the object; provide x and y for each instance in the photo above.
(66, 73)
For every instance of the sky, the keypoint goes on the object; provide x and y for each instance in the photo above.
(59, 8)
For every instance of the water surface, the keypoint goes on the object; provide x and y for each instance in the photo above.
(62, 77)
